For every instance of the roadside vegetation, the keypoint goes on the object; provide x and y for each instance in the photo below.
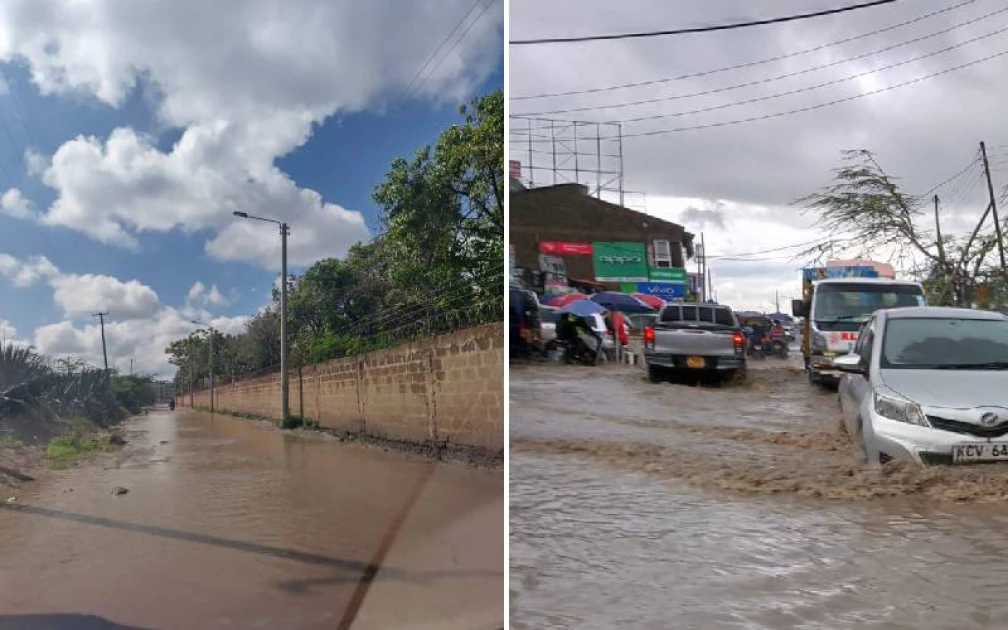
(66, 406)
(436, 264)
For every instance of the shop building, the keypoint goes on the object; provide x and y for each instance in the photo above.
(561, 236)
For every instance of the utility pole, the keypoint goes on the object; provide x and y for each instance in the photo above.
(284, 376)
(776, 299)
(101, 319)
(192, 370)
(993, 202)
(703, 269)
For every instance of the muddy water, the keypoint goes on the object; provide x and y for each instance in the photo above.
(231, 524)
(698, 507)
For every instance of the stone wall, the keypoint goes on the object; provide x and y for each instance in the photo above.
(445, 389)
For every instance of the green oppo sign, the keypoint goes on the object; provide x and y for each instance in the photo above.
(620, 262)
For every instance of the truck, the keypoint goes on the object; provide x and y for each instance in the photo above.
(695, 337)
(835, 302)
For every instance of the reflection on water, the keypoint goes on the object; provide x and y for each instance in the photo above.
(645, 506)
(230, 523)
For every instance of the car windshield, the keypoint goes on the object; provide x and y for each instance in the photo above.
(945, 343)
(852, 302)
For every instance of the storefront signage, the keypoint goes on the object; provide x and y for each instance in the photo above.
(554, 248)
(673, 274)
(620, 262)
(667, 291)
(514, 169)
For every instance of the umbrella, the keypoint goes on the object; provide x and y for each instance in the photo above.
(621, 302)
(583, 308)
(653, 301)
(563, 300)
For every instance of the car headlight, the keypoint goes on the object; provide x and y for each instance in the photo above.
(895, 408)
(818, 341)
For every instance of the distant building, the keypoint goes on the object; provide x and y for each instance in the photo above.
(561, 235)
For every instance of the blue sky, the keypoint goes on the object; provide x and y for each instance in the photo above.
(130, 187)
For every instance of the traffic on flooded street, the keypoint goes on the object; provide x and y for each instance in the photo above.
(702, 505)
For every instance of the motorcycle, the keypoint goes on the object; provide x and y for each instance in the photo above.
(779, 348)
(574, 352)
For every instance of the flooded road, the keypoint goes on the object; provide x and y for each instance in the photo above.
(230, 524)
(647, 506)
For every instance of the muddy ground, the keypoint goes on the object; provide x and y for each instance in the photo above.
(634, 503)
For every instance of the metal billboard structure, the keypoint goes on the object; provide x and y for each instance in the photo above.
(547, 152)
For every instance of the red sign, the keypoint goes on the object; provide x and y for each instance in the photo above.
(515, 168)
(565, 249)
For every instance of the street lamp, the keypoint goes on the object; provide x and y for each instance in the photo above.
(284, 380)
(210, 328)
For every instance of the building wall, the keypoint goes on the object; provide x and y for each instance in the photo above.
(567, 213)
(446, 389)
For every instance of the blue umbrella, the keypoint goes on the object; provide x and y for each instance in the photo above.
(613, 300)
(583, 308)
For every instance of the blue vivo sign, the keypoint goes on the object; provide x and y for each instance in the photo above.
(664, 290)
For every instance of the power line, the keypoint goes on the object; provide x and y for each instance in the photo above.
(780, 77)
(433, 52)
(809, 88)
(748, 64)
(701, 29)
(727, 123)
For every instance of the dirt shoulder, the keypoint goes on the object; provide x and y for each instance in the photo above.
(30, 446)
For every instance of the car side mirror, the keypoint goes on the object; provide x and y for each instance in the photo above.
(851, 364)
(799, 308)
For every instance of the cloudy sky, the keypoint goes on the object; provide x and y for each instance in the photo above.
(735, 181)
(129, 133)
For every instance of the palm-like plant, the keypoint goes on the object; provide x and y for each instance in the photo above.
(24, 380)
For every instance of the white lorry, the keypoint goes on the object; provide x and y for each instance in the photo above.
(834, 310)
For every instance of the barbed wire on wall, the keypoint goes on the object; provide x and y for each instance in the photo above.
(447, 309)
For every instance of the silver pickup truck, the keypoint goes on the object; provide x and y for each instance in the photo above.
(695, 337)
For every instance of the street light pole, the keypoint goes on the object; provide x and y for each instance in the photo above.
(284, 376)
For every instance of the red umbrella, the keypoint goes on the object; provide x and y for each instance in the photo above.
(563, 300)
(653, 301)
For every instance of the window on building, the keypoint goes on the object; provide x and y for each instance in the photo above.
(662, 254)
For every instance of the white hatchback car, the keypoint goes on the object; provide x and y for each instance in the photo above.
(928, 385)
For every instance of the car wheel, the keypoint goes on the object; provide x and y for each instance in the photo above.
(737, 376)
(655, 374)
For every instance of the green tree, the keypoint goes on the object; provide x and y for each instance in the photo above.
(444, 210)
(871, 211)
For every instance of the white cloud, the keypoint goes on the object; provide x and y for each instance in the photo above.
(246, 81)
(142, 340)
(83, 295)
(14, 204)
(27, 273)
(199, 294)
(137, 327)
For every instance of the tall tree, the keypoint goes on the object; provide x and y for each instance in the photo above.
(444, 210)
(873, 214)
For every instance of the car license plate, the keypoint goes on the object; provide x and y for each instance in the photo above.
(983, 452)
(695, 362)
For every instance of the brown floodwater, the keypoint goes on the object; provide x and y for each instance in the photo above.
(231, 524)
(644, 506)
